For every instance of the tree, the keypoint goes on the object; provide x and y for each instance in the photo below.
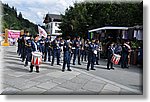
(12, 21)
(81, 17)
(20, 15)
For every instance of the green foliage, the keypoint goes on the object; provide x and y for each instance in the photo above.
(11, 20)
(81, 17)
(135, 44)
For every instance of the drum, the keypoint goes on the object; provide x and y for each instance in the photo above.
(115, 58)
(36, 58)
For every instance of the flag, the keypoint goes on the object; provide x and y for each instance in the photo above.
(42, 32)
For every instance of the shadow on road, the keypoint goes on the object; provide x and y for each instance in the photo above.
(17, 69)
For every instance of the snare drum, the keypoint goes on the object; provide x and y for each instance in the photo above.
(36, 58)
(115, 58)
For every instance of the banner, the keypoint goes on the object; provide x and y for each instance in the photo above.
(42, 32)
(13, 34)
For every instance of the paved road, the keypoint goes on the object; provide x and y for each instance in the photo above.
(50, 80)
(131, 77)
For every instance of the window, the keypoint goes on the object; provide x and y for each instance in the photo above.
(57, 31)
(55, 24)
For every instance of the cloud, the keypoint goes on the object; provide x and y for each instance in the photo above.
(34, 10)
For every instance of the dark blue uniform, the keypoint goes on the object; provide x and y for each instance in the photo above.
(42, 46)
(77, 45)
(19, 46)
(98, 51)
(73, 48)
(23, 49)
(118, 50)
(91, 56)
(48, 49)
(67, 55)
(56, 51)
(109, 57)
(28, 51)
(124, 56)
(35, 47)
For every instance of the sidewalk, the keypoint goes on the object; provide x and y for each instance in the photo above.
(51, 80)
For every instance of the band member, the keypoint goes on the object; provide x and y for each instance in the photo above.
(91, 55)
(35, 47)
(73, 46)
(118, 50)
(126, 49)
(23, 49)
(61, 49)
(56, 51)
(98, 51)
(110, 53)
(28, 50)
(19, 45)
(48, 49)
(42, 46)
(67, 54)
(76, 52)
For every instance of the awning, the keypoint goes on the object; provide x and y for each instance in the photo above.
(110, 28)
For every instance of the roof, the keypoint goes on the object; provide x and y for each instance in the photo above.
(49, 18)
(55, 16)
(110, 28)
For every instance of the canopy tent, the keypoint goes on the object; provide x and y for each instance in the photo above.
(110, 28)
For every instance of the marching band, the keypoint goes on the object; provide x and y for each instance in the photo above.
(35, 50)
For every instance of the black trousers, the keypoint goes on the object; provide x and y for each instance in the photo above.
(109, 63)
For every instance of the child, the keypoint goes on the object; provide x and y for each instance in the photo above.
(35, 47)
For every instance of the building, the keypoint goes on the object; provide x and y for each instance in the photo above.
(52, 22)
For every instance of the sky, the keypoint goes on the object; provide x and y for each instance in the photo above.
(35, 10)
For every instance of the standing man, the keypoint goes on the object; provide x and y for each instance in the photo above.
(118, 50)
(77, 45)
(56, 51)
(61, 49)
(126, 49)
(23, 49)
(98, 51)
(42, 46)
(110, 53)
(91, 55)
(73, 46)
(67, 54)
(28, 50)
(85, 50)
(19, 45)
(48, 49)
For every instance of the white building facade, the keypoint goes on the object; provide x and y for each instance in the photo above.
(52, 22)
